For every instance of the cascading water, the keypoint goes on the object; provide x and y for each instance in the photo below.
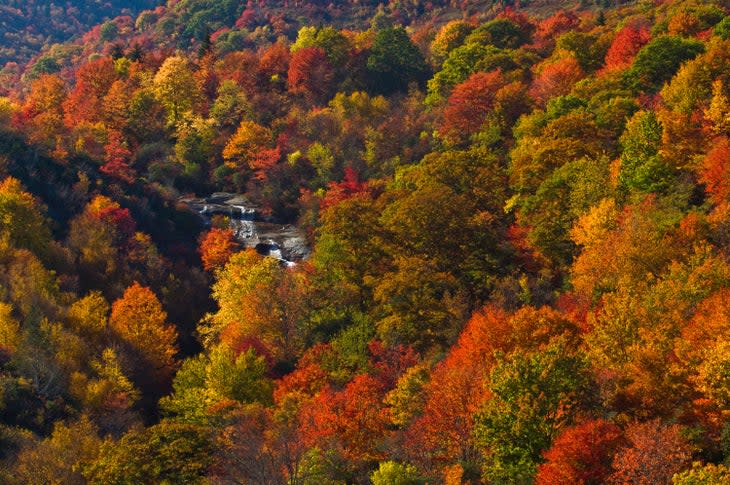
(281, 241)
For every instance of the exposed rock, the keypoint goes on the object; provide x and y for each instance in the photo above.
(281, 241)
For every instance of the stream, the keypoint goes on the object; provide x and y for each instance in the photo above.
(284, 242)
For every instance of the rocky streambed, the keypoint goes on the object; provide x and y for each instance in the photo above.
(267, 236)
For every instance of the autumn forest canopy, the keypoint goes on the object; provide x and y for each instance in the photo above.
(512, 242)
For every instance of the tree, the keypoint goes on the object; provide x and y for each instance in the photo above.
(556, 79)
(448, 38)
(501, 32)
(642, 168)
(163, 453)
(452, 203)
(581, 455)
(85, 101)
(117, 157)
(139, 321)
(176, 88)
(310, 74)
(588, 49)
(394, 61)
(534, 396)
(469, 104)
(244, 147)
(230, 106)
(257, 298)
(394, 473)
(334, 43)
(43, 112)
(22, 223)
(419, 304)
(107, 395)
(715, 171)
(352, 422)
(443, 433)
(703, 475)
(255, 448)
(61, 457)
(626, 44)
(659, 60)
(216, 248)
(655, 452)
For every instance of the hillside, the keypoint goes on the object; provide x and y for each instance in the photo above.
(26, 26)
(315, 243)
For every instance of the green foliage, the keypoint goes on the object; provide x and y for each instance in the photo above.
(501, 33)
(207, 380)
(394, 473)
(231, 105)
(722, 29)
(394, 61)
(561, 198)
(589, 50)
(533, 397)
(659, 60)
(642, 168)
(163, 453)
(109, 31)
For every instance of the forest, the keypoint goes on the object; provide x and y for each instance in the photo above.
(513, 226)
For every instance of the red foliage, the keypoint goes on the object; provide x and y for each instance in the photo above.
(469, 104)
(655, 453)
(456, 391)
(551, 27)
(556, 79)
(715, 171)
(247, 19)
(519, 18)
(85, 101)
(625, 45)
(310, 74)
(117, 157)
(264, 161)
(274, 61)
(349, 186)
(581, 455)
(353, 421)
(120, 219)
(389, 363)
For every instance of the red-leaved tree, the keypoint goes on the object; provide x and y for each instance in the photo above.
(581, 455)
(470, 103)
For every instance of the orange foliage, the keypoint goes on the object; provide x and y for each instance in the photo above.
(274, 61)
(551, 27)
(85, 101)
(139, 320)
(456, 392)
(353, 421)
(710, 322)
(715, 171)
(655, 453)
(216, 247)
(581, 455)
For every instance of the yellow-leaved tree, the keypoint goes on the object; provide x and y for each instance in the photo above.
(140, 322)
(176, 88)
